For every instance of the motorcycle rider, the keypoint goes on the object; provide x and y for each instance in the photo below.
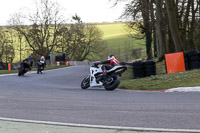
(107, 65)
(28, 63)
(41, 63)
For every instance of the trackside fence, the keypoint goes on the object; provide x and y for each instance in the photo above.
(14, 66)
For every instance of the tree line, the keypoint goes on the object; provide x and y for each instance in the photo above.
(167, 25)
(47, 32)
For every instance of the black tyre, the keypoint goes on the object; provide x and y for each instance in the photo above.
(150, 72)
(194, 58)
(149, 63)
(150, 67)
(195, 67)
(195, 63)
(85, 83)
(20, 72)
(113, 85)
(138, 67)
(38, 70)
(193, 53)
(138, 63)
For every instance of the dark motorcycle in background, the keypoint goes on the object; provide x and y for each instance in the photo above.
(110, 82)
(25, 66)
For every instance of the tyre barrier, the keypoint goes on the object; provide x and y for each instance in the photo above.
(186, 60)
(150, 68)
(143, 69)
(192, 60)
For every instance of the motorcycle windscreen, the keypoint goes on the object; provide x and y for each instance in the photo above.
(175, 62)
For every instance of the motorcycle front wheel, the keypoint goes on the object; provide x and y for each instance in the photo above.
(85, 83)
(115, 82)
(20, 71)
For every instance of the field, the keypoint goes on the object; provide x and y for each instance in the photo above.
(119, 43)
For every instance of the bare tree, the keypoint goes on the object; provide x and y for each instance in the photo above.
(140, 15)
(160, 30)
(80, 41)
(16, 22)
(7, 52)
(176, 23)
(173, 25)
(45, 23)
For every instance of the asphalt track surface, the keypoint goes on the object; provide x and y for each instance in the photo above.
(56, 96)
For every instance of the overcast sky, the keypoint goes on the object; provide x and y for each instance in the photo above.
(88, 10)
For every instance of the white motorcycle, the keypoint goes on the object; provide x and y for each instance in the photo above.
(110, 82)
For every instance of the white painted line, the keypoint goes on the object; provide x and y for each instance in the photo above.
(2, 75)
(184, 89)
(101, 126)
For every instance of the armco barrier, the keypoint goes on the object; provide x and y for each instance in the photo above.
(80, 63)
(14, 66)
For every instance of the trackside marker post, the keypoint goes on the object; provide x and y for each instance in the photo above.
(9, 67)
(58, 63)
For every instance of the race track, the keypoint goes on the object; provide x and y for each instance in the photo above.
(56, 96)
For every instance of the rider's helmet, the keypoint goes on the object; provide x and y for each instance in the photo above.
(110, 57)
(30, 57)
(42, 58)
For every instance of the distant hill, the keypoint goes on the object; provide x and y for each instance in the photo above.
(119, 43)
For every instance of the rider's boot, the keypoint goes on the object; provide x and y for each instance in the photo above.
(102, 76)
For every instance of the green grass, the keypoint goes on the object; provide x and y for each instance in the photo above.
(8, 72)
(160, 81)
(118, 41)
(34, 69)
(112, 29)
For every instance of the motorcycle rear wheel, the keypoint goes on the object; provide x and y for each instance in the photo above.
(85, 83)
(113, 85)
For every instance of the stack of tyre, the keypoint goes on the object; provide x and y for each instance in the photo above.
(193, 60)
(150, 68)
(186, 60)
(138, 69)
(143, 69)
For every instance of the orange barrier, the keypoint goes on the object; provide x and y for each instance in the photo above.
(9, 67)
(175, 62)
(66, 63)
(58, 63)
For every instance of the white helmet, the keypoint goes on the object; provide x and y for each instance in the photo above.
(110, 57)
(42, 58)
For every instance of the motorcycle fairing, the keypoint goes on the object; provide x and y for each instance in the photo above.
(118, 69)
(93, 71)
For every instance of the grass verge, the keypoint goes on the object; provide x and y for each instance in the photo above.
(160, 81)
(34, 69)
